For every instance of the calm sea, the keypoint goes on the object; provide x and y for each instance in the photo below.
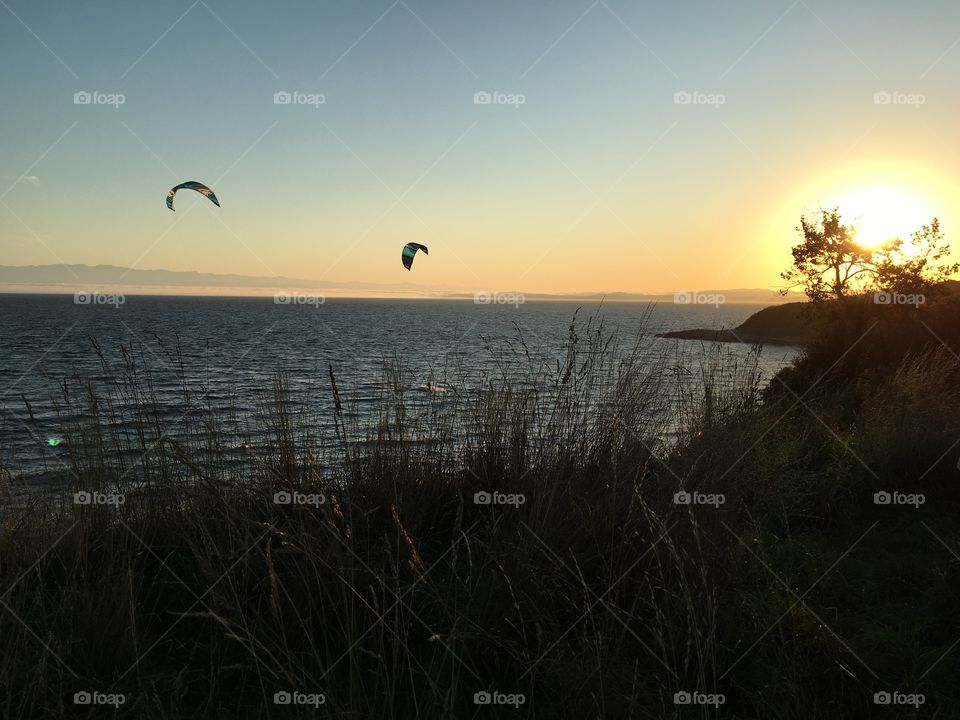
(225, 351)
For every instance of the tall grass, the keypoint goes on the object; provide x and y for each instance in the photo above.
(399, 596)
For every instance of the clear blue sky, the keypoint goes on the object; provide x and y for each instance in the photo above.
(598, 181)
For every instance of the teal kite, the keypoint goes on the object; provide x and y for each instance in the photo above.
(192, 185)
(53, 442)
(409, 250)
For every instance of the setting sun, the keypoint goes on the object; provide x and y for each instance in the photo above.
(883, 213)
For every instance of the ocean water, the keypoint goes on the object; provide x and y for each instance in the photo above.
(224, 352)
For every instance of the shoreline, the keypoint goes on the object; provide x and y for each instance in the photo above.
(730, 336)
(787, 325)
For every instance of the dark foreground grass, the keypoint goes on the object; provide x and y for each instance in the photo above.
(597, 596)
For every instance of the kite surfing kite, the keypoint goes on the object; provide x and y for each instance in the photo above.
(409, 250)
(192, 185)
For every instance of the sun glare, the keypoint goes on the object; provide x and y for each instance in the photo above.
(883, 213)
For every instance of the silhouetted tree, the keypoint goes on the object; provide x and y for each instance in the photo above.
(915, 266)
(829, 264)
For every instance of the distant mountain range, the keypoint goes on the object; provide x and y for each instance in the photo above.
(72, 278)
(115, 275)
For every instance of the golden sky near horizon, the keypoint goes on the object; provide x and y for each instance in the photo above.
(553, 147)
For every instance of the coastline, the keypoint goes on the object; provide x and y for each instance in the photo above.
(786, 324)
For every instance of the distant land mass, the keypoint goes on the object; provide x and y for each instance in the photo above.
(786, 324)
(136, 281)
(115, 276)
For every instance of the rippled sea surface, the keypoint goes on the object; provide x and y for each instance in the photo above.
(226, 351)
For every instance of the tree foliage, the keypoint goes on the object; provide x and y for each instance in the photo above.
(829, 263)
(914, 266)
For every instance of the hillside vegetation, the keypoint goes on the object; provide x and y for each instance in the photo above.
(734, 551)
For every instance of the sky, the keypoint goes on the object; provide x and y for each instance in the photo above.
(624, 146)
